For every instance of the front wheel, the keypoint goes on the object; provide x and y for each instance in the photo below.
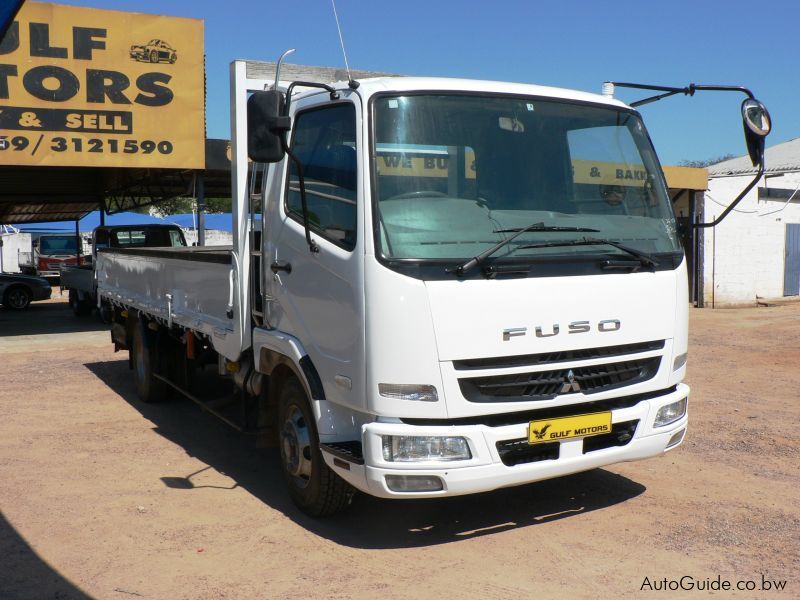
(313, 486)
(80, 308)
(105, 313)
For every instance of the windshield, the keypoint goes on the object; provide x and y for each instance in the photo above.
(149, 237)
(454, 175)
(58, 245)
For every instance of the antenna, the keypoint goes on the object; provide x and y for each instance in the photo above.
(353, 84)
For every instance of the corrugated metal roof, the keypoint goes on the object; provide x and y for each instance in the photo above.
(781, 158)
(47, 194)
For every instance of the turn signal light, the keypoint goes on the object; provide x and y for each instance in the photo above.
(405, 391)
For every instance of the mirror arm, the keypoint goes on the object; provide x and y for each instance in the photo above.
(312, 245)
(689, 90)
(733, 204)
(331, 90)
(724, 88)
(284, 127)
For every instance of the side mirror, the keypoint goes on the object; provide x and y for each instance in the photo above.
(757, 125)
(266, 126)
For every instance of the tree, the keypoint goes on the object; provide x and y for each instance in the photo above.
(701, 164)
(187, 205)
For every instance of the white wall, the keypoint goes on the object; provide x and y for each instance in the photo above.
(744, 255)
(214, 237)
(12, 243)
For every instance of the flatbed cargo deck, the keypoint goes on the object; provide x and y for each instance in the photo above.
(168, 284)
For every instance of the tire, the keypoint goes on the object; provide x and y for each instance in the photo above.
(105, 313)
(148, 387)
(154, 57)
(80, 308)
(313, 486)
(17, 297)
(173, 58)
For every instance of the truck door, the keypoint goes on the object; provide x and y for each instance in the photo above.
(320, 301)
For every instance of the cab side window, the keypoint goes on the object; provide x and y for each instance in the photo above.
(325, 142)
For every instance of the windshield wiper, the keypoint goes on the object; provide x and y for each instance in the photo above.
(517, 231)
(546, 228)
(643, 257)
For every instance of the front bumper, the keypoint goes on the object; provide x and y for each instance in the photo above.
(486, 471)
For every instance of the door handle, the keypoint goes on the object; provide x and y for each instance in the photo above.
(276, 266)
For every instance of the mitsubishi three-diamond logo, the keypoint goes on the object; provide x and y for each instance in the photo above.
(570, 385)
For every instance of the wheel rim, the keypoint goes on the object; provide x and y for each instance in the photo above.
(18, 299)
(296, 446)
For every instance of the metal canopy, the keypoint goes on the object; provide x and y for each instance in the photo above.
(43, 194)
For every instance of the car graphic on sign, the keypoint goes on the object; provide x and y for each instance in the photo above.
(154, 51)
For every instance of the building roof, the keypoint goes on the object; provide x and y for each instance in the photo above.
(781, 158)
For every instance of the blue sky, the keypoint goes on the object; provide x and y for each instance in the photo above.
(565, 43)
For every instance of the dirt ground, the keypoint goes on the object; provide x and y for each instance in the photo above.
(106, 497)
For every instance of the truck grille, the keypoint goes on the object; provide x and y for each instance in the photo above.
(520, 452)
(546, 385)
(545, 358)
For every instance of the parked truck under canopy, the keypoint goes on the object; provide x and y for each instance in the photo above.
(453, 291)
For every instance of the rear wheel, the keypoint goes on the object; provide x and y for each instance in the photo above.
(313, 486)
(17, 298)
(149, 388)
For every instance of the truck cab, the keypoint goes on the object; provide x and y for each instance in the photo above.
(52, 252)
(483, 279)
(137, 236)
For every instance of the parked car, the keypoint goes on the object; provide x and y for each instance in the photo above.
(17, 291)
(154, 51)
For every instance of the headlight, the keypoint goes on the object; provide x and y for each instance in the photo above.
(670, 413)
(406, 391)
(679, 361)
(405, 448)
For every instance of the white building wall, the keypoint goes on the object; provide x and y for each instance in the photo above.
(744, 255)
(12, 244)
(214, 237)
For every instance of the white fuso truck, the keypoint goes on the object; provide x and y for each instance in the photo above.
(458, 286)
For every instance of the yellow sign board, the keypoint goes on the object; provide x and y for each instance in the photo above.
(411, 164)
(606, 173)
(563, 428)
(408, 164)
(85, 87)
